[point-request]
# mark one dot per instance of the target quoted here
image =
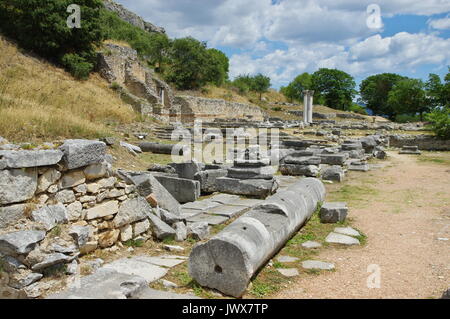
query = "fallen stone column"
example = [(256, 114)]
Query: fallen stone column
[(158, 148), (229, 260)]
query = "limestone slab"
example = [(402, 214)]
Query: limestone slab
[(335, 238)]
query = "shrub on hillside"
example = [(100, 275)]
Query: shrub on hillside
[(77, 66), (355, 108), (41, 26), (153, 46)]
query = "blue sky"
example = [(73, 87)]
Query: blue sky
[(284, 38)]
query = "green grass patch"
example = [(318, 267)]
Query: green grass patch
[(134, 243), (268, 282), (429, 158), (349, 193)]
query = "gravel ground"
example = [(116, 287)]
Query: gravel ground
[(406, 223)]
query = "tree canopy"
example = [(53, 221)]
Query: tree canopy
[(333, 88), (408, 97), (294, 91), (375, 90), (192, 64)]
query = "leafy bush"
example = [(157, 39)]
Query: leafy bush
[(440, 122), (258, 83), (41, 26), (358, 109), (407, 118), (77, 66)]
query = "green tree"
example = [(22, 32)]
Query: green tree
[(243, 83), (408, 97), (260, 84), (218, 67), (294, 91), (446, 90), (41, 26), (440, 122), (374, 92), (193, 65), (158, 51), (334, 88), (435, 91)]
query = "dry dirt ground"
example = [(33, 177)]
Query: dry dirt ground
[(406, 218)]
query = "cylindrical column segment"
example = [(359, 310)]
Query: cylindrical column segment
[(228, 261)]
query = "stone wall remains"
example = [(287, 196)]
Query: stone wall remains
[(57, 203), (424, 142), (193, 108)]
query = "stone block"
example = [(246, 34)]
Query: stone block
[(103, 210), (299, 170), (81, 153), (9, 215), (29, 159), (183, 190), (17, 185), (334, 212), (251, 187)]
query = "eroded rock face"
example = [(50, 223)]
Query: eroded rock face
[(17, 185), (131, 17)]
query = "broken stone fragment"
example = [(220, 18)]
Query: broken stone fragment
[(72, 179), (80, 234), (52, 260), (131, 211), (333, 212), (20, 242), (50, 216), (199, 231), (50, 177), (108, 238), (23, 278), (65, 196), (160, 229), (96, 171)]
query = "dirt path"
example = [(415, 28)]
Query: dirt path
[(403, 221)]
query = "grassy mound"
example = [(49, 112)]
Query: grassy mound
[(39, 101)]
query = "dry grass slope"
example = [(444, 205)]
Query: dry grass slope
[(39, 101)]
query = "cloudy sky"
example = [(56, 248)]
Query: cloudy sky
[(283, 38)]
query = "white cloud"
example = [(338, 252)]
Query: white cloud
[(314, 33), (440, 24), (403, 51)]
